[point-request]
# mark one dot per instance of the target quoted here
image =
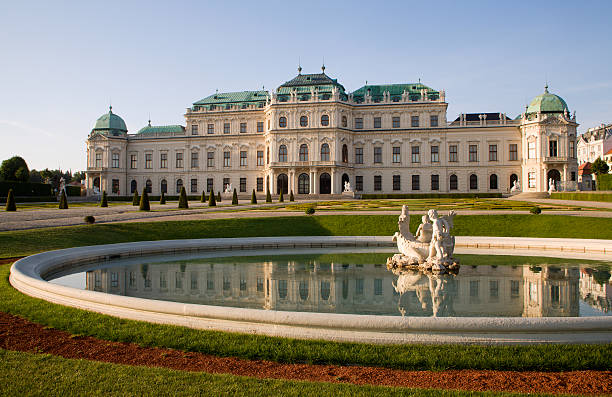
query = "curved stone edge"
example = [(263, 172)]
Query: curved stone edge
[(26, 276)]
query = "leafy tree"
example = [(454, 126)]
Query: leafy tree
[(10, 201), (144, 201), (291, 198), (79, 176), (35, 176), (14, 169), (212, 202), (281, 199), (63, 204), (162, 199), (104, 200), (136, 198), (183, 202), (600, 167), (253, 197), (268, 196), (235, 198)]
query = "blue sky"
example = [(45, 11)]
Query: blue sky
[(62, 62)]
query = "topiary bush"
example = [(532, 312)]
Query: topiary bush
[(253, 197), (535, 210), (63, 204), (104, 199), (144, 201), (203, 198), (89, 219), (135, 198), (235, 198), (268, 196), (10, 201), (291, 198), (162, 199), (309, 210), (218, 197), (212, 202), (281, 198), (183, 203)]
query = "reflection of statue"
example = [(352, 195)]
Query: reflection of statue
[(516, 187), (228, 188), (347, 187), (434, 292)]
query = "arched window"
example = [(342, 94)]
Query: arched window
[(344, 121), (149, 186), (303, 184), (282, 153), (453, 182), (303, 152), (133, 186), (325, 120), (179, 185), (164, 186), (493, 182), (282, 122), (473, 182), (282, 184), (325, 152), (513, 178), (344, 154), (304, 121)]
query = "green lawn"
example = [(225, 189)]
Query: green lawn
[(42, 374)]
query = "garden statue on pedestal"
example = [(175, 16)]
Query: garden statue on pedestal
[(347, 187), (431, 249), (228, 188), (516, 187), (551, 186)]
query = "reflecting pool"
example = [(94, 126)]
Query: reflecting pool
[(358, 283)]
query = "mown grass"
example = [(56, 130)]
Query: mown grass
[(26, 242), (412, 357), (43, 374)]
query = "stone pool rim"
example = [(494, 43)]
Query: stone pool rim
[(27, 275)]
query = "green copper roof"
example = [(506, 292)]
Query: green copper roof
[(396, 91), (309, 80), (547, 103), (110, 121), (234, 97), (157, 129)]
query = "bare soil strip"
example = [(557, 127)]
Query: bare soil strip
[(19, 334)]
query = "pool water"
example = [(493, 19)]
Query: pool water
[(358, 283)]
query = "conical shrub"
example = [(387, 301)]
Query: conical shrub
[(203, 198), (218, 197), (162, 199), (281, 199), (136, 198), (291, 198), (183, 203), (253, 197), (10, 201), (144, 201), (268, 196), (212, 202), (104, 199), (235, 198), (63, 204)]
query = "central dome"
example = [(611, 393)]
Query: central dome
[(547, 103), (110, 121)]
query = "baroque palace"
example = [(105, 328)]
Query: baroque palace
[(310, 136)]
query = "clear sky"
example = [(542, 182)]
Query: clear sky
[(62, 62)]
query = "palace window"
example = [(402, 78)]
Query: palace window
[(492, 152), (260, 184), (98, 160), (243, 158), (344, 121), (149, 160), (359, 183), (211, 129), (260, 126), (282, 122), (435, 182), (416, 182), (377, 122), (304, 121), (163, 186), (433, 120), (226, 182), (378, 286), (396, 122), (416, 156), (531, 178), (260, 158), (493, 182), (358, 123), (226, 128), (149, 186), (325, 120), (397, 154), (194, 185), (115, 186), (303, 184), (210, 159), (573, 176), (282, 153), (242, 185), (303, 152), (179, 160), (115, 160), (452, 154), (435, 154), (358, 155), (377, 154), (453, 182), (377, 182), (414, 121), (209, 184), (552, 148), (325, 152), (531, 150), (163, 160), (572, 150), (243, 128), (194, 160), (179, 185), (133, 161), (344, 153), (397, 182), (226, 159), (473, 153), (513, 152), (473, 182), (359, 286), (178, 280), (194, 129)]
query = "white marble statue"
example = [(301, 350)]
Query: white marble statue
[(551, 186), (228, 188), (516, 187), (347, 187)]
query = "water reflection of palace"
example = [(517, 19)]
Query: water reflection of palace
[(518, 291)]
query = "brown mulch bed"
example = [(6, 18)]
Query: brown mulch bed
[(19, 334)]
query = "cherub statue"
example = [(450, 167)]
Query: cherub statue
[(425, 230)]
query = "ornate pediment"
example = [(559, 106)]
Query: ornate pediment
[(552, 119)]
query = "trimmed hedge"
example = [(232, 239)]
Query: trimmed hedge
[(604, 182), (73, 191), (586, 196), (430, 195), (152, 198), (38, 199), (26, 189)]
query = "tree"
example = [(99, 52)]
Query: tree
[(144, 201), (268, 196), (281, 198), (291, 198), (203, 198), (35, 177), (211, 199), (235, 198), (600, 167), (10, 201), (14, 169), (63, 204), (79, 176), (136, 198), (162, 199), (253, 197), (183, 203), (104, 200)]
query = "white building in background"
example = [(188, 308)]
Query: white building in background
[(310, 136), (596, 142)]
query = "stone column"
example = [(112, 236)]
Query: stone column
[(315, 182), (272, 183), (332, 174)]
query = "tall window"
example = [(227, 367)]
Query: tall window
[(260, 184), (282, 122), (513, 152), (115, 186), (164, 186), (552, 148), (344, 121), (226, 182), (397, 155), (179, 185), (358, 123), (493, 182), (282, 153), (377, 154), (325, 120), (243, 158), (260, 158), (209, 184), (179, 160), (243, 128), (452, 154), (98, 160), (473, 182), (344, 153), (325, 152), (163, 160), (226, 159), (377, 182), (304, 121), (473, 153), (148, 160), (359, 183), (211, 129), (226, 128), (115, 160), (377, 122), (194, 129), (303, 152), (133, 161), (453, 182), (194, 185), (303, 184), (492, 152), (133, 186), (194, 160), (416, 157), (397, 182), (260, 126), (435, 182), (210, 159), (243, 185), (395, 122), (531, 178), (433, 120), (416, 182), (414, 121), (531, 150), (572, 149), (435, 154), (358, 155)]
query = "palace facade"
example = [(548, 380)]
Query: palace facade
[(310, 136)]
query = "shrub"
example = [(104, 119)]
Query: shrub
[(235, 198), (268, 196), (63, 204), (10, 201), (291, 198), (73, 191), (104, 200), (604, 182), (430, 195), (203, 197), (535, 210), (599, 167), (162, 199), (218, 197), (144, 201), (89, 219), (135, 198), (211, 199), (253, 197), (183, 203), (281, 199), (310, 210), (25, 189), (14, 169)]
